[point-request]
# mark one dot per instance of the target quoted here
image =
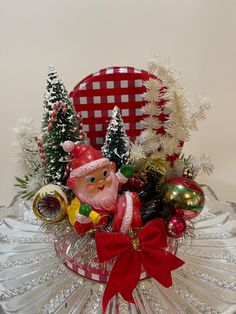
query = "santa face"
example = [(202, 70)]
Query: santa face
[(98, 188), (97, 180)]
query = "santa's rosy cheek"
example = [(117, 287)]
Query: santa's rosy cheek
[(91, 187), (108, 180)]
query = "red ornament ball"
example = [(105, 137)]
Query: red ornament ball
[(135, 183), (176, 227), (177, 211)]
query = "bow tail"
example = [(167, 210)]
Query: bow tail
[(124, 277), (159, 265)]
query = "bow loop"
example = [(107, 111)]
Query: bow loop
[(111, 244), (153, 234)]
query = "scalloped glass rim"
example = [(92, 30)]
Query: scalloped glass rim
[(34, 280)]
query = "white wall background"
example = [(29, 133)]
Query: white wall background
[(82, 36)]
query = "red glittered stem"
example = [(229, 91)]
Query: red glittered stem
[(57, 106), (41, 151)]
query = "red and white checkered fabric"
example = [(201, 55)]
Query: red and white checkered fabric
[(96, 274), (93, 270), (96, 95)]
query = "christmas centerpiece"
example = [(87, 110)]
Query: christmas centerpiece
[(108, 178)]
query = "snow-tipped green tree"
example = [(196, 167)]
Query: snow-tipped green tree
[(58, 125), (116, 147)]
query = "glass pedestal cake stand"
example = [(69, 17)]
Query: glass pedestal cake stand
[(33, 279)]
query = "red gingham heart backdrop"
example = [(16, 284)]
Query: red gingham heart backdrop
[(97, 94)]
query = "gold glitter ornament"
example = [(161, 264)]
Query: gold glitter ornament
[(156, 164)]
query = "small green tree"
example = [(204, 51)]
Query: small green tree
[(59, 124), (116, 147)]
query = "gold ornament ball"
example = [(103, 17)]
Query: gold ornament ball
[(50, 204), (183, 193)]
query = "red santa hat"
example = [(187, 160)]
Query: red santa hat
[(86, 157)]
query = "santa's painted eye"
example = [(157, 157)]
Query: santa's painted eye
[(104, 174), (90, 180)]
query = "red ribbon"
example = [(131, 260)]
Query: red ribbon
[(147, 249)]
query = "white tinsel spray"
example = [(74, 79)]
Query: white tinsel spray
[(27, 159), (182, 116), (202, 164)]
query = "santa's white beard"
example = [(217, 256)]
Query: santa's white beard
[(105, 199)]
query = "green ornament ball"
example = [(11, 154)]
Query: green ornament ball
[(127, 170)]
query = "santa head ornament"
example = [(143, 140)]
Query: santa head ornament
[(86, 160)]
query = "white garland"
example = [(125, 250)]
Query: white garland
[(197, 111), (202, 164), (27, 158), (182, 116)]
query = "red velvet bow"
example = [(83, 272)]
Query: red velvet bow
[(147, 249)]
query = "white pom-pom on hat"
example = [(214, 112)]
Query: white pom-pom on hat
[(68, 146)]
